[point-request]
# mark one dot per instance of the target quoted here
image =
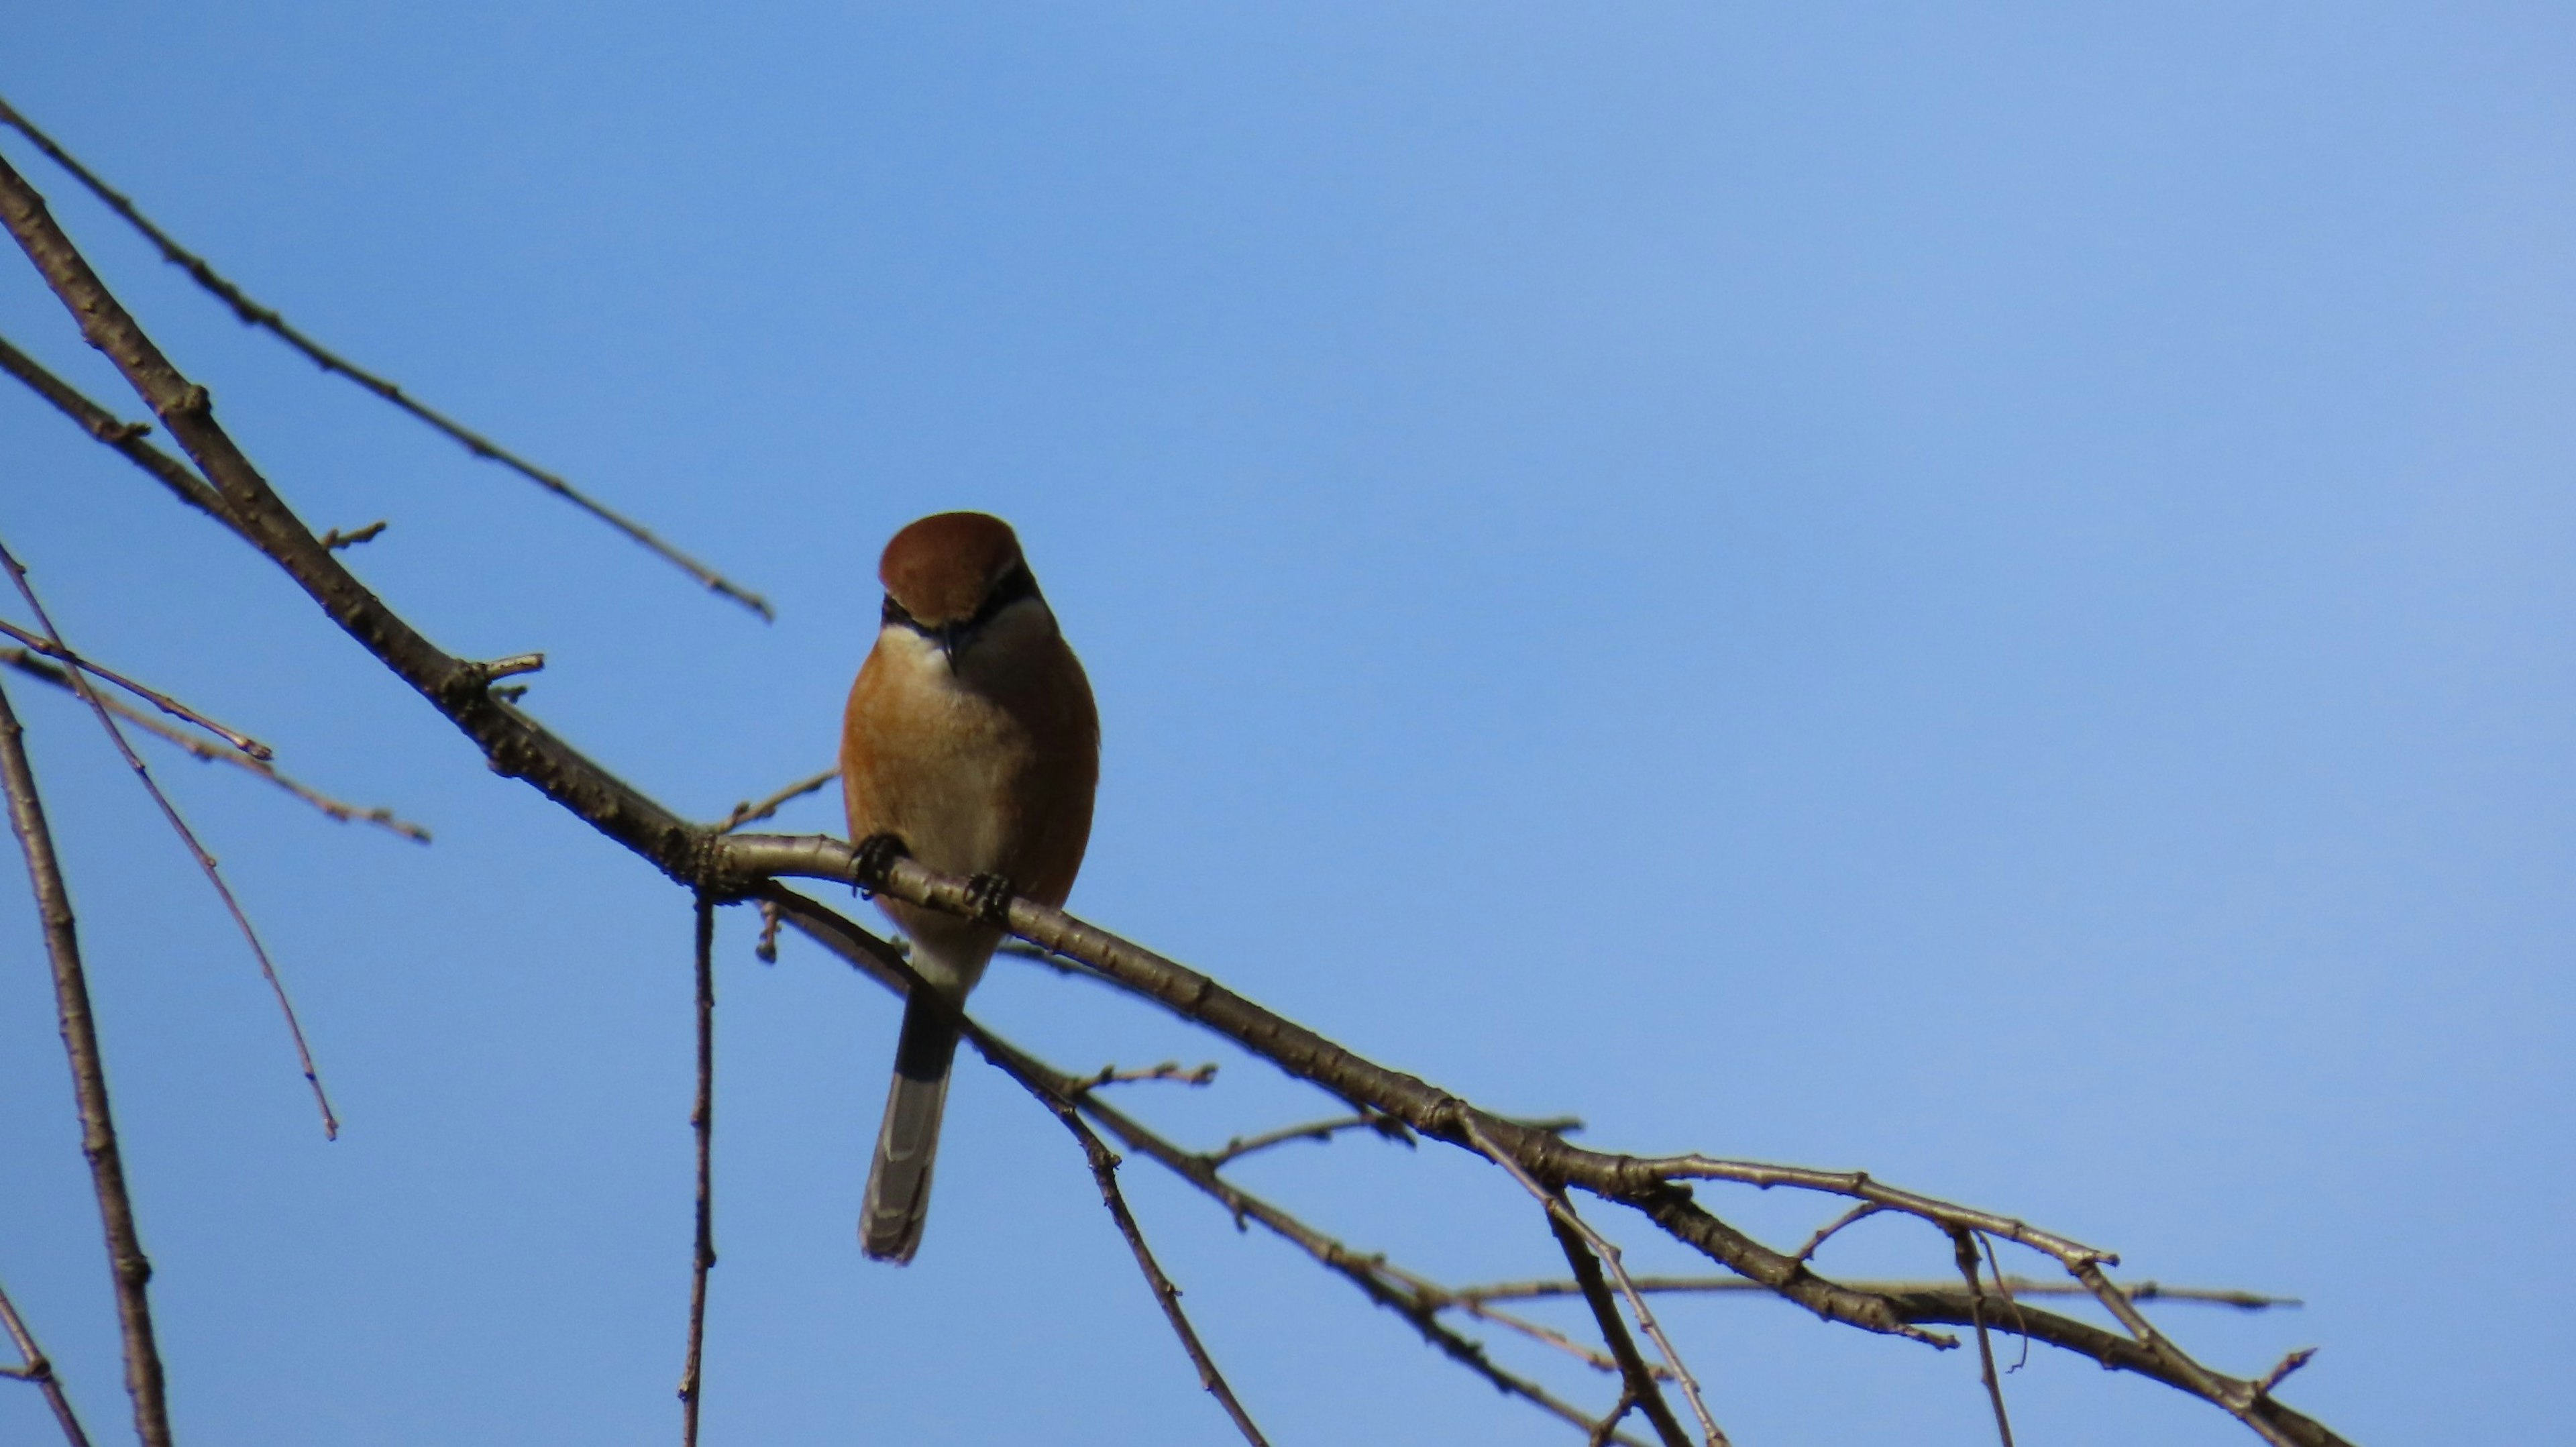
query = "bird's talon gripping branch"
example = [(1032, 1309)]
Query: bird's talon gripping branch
[(874, 856), (990, 896)]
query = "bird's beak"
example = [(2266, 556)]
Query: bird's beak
[(952, 641)]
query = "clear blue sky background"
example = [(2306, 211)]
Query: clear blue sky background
[(1981, 593)]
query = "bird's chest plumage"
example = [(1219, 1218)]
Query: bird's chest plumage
[(930, 755)]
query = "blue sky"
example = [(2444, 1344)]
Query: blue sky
[(1982, 594)]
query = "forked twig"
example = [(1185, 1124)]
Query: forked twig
[(39, 1371), (169, 811), (267, 319)]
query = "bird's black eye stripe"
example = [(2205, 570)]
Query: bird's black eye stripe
[(1010, 588)]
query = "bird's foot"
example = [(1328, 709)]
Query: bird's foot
[(872, 858), (990, 896)]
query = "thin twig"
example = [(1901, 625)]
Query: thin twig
[(128, 1266), (748, 812), (53, 648), (39, 1370), (169, 811), (702, 1123), (1562, 1211), (29, 664), (267, 319), (1834, 1227), (335, 539), (1964, 1248), (1168, 1070), (2282, 1369), (1104, 1171), (1637, 1384), (1320, 1130)]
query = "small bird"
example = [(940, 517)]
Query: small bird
[(971, 744)]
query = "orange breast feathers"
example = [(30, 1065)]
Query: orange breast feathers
[(979, 770)]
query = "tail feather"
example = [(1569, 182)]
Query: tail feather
[(898, 1195)]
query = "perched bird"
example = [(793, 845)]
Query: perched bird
[(971, 744)]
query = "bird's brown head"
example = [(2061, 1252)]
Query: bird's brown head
[(949, 574)]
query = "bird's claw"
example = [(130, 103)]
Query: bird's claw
[(872, 858), (990, 896)]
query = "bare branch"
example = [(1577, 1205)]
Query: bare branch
[(128, 1266), (702, 1123), (33, 667), (53, 648), (738, 865), (335, 539), (267, 319), (205, 861), (39, 1371)]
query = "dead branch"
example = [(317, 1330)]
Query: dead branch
[(128, 1266)]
